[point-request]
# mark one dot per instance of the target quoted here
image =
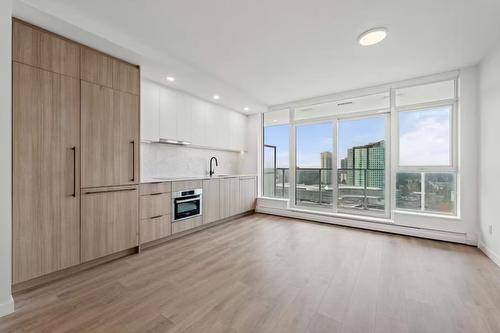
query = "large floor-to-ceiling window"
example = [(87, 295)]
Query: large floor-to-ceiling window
[(393, 149), (426, 163), (276, 154), (361, 163), (314, 160)]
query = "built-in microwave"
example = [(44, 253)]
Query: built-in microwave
[(186, 204)]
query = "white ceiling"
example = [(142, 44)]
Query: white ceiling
[(258, 53)]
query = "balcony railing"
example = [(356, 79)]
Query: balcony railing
[(357, 188)]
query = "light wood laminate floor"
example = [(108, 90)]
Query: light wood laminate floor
[(270, 274)]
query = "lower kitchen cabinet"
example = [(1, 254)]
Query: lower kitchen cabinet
[(110, 221), (187, 224), (248, 193), (229, 197), (211, 200), (155, 228)]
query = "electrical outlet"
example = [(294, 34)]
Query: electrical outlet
[(491, 229)]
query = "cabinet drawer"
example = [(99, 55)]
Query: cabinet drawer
[(110, 221), (187, 224), (155, 228), (187, 185), (155, 205), (153, 188)]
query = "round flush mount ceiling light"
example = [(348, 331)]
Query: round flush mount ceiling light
[(216, 97), (246, 109), (170, 78), (372, 36)]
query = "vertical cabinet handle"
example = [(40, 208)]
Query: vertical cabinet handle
[(74, 171), (133, 160)]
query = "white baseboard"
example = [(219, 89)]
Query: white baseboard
[(447, 236), (489, 253), (7, 307)]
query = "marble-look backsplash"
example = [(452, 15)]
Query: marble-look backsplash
[(163, 160)]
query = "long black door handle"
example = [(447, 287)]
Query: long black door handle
[(74, 171)]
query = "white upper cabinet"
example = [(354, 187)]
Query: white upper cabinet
[(213, 134), (240, 135), (184, 117), (170, 115), (150, 111), (199, 128)]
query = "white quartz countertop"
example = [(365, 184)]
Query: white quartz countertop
[(178, 179)]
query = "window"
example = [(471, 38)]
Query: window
[(425, 137), (341, 151), (341, 107), (427, 173), (276, 154), (425, 93), (313, 177), (361, 164)]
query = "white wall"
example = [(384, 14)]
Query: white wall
[(489, 185), (6, 302)]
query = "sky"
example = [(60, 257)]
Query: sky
[(424, 138)]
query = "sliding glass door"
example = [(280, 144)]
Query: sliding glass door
[(341, 165), (314, 165), (361, 165)]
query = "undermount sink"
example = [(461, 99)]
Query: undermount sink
[(219, 176)]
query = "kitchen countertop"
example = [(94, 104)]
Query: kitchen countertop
[(177, 179)]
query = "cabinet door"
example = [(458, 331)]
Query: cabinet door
[(168, 114), (229, 197), (110, 221), (213, 136), (44, 50), (198, 128), (150, 111), (211, 201), (125, 77), (96, 67), (46, 149), (184, 117), (241, 135), (248, 190), (110, 136), (225, 128)]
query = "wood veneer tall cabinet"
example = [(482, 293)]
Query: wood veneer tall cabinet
[(46, 153), (75, 118), (110, 155), (110, 122)]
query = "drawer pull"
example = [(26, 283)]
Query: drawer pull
[(106, 191)]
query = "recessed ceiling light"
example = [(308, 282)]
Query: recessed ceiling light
[(216, 97), (246, 109), (372, 36), (170, 78)]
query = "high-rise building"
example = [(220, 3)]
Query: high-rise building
[(368, 165), (326, 163)]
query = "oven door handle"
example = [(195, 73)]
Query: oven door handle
[(187, 200)]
